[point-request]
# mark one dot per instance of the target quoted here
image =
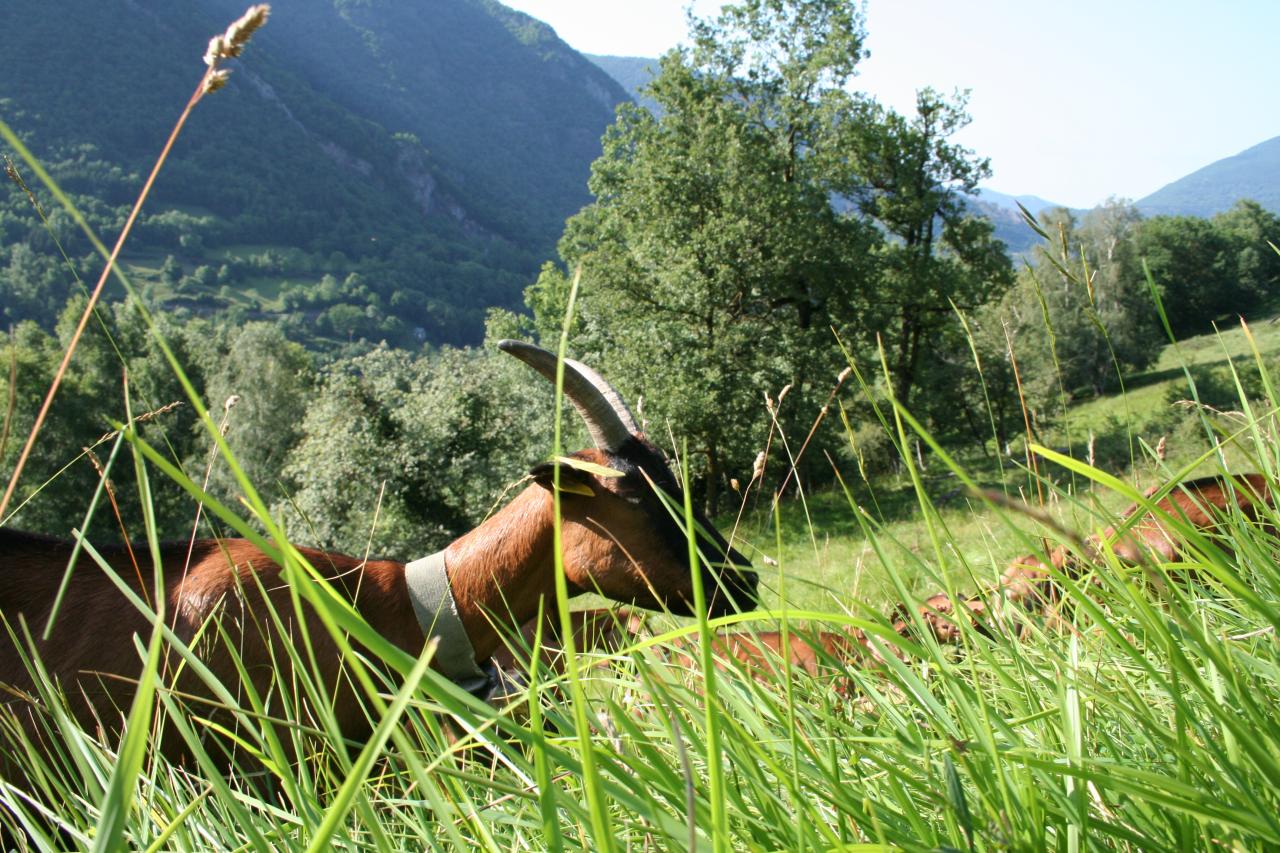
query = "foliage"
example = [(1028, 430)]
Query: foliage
[(404, 454), (910, 180), (760, 208), (1089, 285)]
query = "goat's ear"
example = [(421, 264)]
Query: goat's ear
[(572, 481)]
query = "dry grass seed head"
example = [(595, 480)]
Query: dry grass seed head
[(231, 44)]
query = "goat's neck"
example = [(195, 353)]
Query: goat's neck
[(500, 570)]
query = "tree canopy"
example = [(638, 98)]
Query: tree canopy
[(765, 211)]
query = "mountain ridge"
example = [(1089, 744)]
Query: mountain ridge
[(1252, 173)]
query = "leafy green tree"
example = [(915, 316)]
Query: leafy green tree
[(1192, 263), (1004, 364), (905, 174), (1252, 230), (170, 271), (1118, 288), (33, 285), (58, 479), (409, 452), (1098, 313), (259, 384), (714, 264)]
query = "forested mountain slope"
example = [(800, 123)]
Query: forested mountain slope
[(633, 73), (511, 115), (433, 148)]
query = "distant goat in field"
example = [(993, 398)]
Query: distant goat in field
[(1141, 535)]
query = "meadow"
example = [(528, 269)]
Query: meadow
[(1145, 719), (1140, 714)]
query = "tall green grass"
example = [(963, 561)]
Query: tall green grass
[(1146, 720), (1142, 717)]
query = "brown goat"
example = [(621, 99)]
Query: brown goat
[(1027, 583), (618, 538), (1140, 535), (1201, 503)]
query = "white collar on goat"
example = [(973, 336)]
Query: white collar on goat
[(437, 612)]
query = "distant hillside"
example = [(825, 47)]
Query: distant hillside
[(433, 147), (1002, 210), (631, 72), (1253, 173), (510, 114), (1032, 203), (1009, 226)]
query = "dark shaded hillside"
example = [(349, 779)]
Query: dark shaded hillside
[(511, 115), (242, 154), (433, 148), (1253, 174)]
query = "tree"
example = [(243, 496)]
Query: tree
[(1251, 228), (57, 477), (170, 271), (1089, 283), (714, 264), (904, 174), (32, 286), (1192, 263), (269, 378), (436, 451)]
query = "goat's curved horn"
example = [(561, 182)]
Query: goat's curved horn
[(608, 419)]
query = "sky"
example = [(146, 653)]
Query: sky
[(1072, 102)]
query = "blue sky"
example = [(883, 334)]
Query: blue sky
[(1071, 101)]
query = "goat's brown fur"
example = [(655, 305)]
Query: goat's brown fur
[(1140, 535), (613, 542)]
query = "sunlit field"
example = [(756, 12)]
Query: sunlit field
[(1134, 707)]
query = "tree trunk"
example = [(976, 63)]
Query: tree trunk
[(712, 495), (904, 370)]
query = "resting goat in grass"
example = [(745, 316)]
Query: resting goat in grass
[(619, 538), (1140, 536)]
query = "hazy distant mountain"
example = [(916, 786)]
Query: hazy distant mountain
[(1253, 173), (1002, 210), (630, 72), (1032, 203)]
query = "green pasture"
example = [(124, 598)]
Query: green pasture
[(1141, 714)]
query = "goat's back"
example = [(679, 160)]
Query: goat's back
[(92, 651), (1202, 503)]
